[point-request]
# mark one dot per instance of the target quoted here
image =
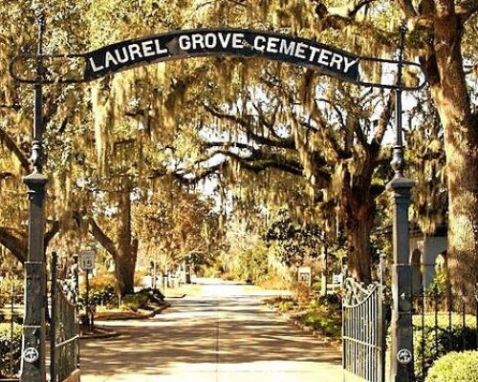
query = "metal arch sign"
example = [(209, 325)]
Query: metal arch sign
[(221, 42), (202, 43)]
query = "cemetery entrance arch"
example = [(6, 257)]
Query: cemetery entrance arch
[(40, 69)]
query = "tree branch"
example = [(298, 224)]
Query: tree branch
[(338, 18), (10, 144), (15, 241), (353, 12), (284, 143), (267, 124), (383, 123), (259, 162), (466, 9), (228, 145), (102, 238), (407, 8), (55, 228), (341, 153), (357, 128)]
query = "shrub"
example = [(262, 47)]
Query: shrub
[(327, 322), (433, 341), (284, 306), (106, 296), (331, 301), (314, 304), (135, 301), (6, 340), (303, 293), (102, 291), (455, 367), (102, 281)]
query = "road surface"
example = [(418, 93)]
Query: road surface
[(223, 334)]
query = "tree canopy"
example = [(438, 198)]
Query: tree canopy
[(270, 133)]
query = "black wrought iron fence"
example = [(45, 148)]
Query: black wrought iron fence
[(444, 321), (64, 329), (11, 313)]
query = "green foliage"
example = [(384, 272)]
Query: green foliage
[(325, 321), (324, 315), (9, 285), (285, 306), (144, 299), (252, 264), (246, 255), (102, 291), (455, 367), (433, 341), (135, 301), (6, 342), (295, 241), (439, 285)]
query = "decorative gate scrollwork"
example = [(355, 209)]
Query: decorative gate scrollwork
[(363, 330)]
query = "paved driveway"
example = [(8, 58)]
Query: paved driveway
[(224, 334)]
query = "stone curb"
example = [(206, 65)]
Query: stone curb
[(139, 317), (176, 297)]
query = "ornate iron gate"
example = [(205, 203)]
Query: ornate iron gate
[(363, 330), (64, 328)]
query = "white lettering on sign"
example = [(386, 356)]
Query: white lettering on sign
[(277, 47), (260, 43), (287, 47), (211, 41), (272, 45), (148, 50), (304, 51), (130, 53), (134, 51), (238, 41), (110, 59), (300, 50), (224, 39), (184, 43), (349, 63)]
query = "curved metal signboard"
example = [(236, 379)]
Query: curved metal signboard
[(201, 43), (217, 42)]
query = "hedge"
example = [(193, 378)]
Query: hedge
[(455, 367), (433, 342)]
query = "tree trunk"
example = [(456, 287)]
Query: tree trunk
[(125, 264), (359, 212), (452, 101), (124, 251), (125, 261), (358, 230)]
